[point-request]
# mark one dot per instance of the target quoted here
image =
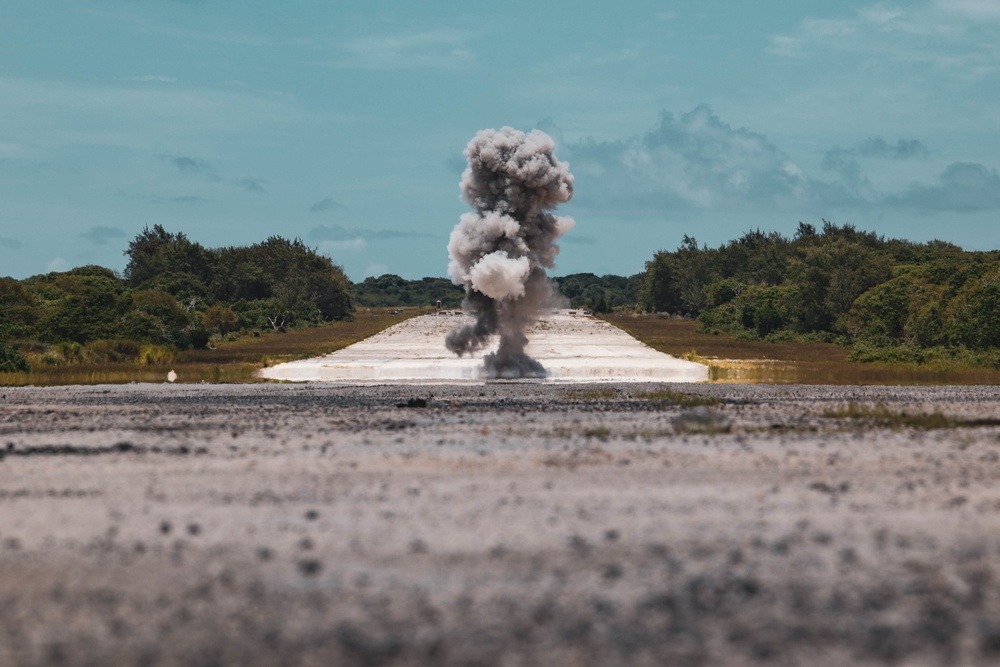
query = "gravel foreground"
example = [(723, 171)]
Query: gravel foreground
[(505, 524)]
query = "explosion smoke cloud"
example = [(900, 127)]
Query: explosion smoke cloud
[(500, 252)]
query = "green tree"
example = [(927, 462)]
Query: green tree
[(156, 253), (84, 304), (973, 316), (829, 277), (659, 291), (19, 310), (296, 283)]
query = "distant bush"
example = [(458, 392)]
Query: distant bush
[(221, 319), (113, 351), (12, 361), (390, 290), (583, 290)]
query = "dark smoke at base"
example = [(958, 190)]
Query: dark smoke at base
[(500, 252)]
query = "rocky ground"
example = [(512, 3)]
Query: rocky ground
[(505, 524)]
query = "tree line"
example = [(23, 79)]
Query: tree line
[(175, 293), (890, 299), (581, 290)]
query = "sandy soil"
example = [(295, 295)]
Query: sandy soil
[(498, 524), (573, 348)]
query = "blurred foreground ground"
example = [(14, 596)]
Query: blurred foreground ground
[(507, 524)]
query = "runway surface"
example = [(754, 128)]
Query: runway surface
[(571, 346)]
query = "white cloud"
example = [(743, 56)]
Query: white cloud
[(784, 45), (18, 151), (103, 234), (138, 23), (326, 204), (57, 264), (880, 14), (151, 78), (692, 161), (51, 114), (377, 269), (976, 9), (696, 162), (344, 234), (347, 246), (433, 49), (890, 33)]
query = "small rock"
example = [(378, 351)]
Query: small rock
[(310, 567)]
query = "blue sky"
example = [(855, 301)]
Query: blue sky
[(344, 123)]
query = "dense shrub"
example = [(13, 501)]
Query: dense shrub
[(12, 361)]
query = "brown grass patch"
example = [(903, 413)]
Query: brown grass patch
[(234, 361), (880, 415), (731, 360)]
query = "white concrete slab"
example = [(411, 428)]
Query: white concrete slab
[(572, 347)]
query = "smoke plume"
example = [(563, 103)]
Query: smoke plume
[(500, 252)]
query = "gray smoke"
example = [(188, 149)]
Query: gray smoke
[(500, 252)]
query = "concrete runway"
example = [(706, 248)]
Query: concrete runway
[(498, 524), (573, 348)]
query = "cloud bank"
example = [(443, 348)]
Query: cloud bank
[(339, 233), (962, 187), (692, 161), (697, 162), (326, 204), (102, 235)]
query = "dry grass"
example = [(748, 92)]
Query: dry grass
[(604, 393), (731, 360), (677, 398), (882, 416), (664, 397), (680, 338), (235, 361)]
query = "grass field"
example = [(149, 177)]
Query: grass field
[(231, 361), (732, 360)]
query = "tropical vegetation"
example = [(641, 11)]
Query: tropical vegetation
[(889, 299), (174, 294)]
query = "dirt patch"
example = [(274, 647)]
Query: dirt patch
[(506, 523)]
